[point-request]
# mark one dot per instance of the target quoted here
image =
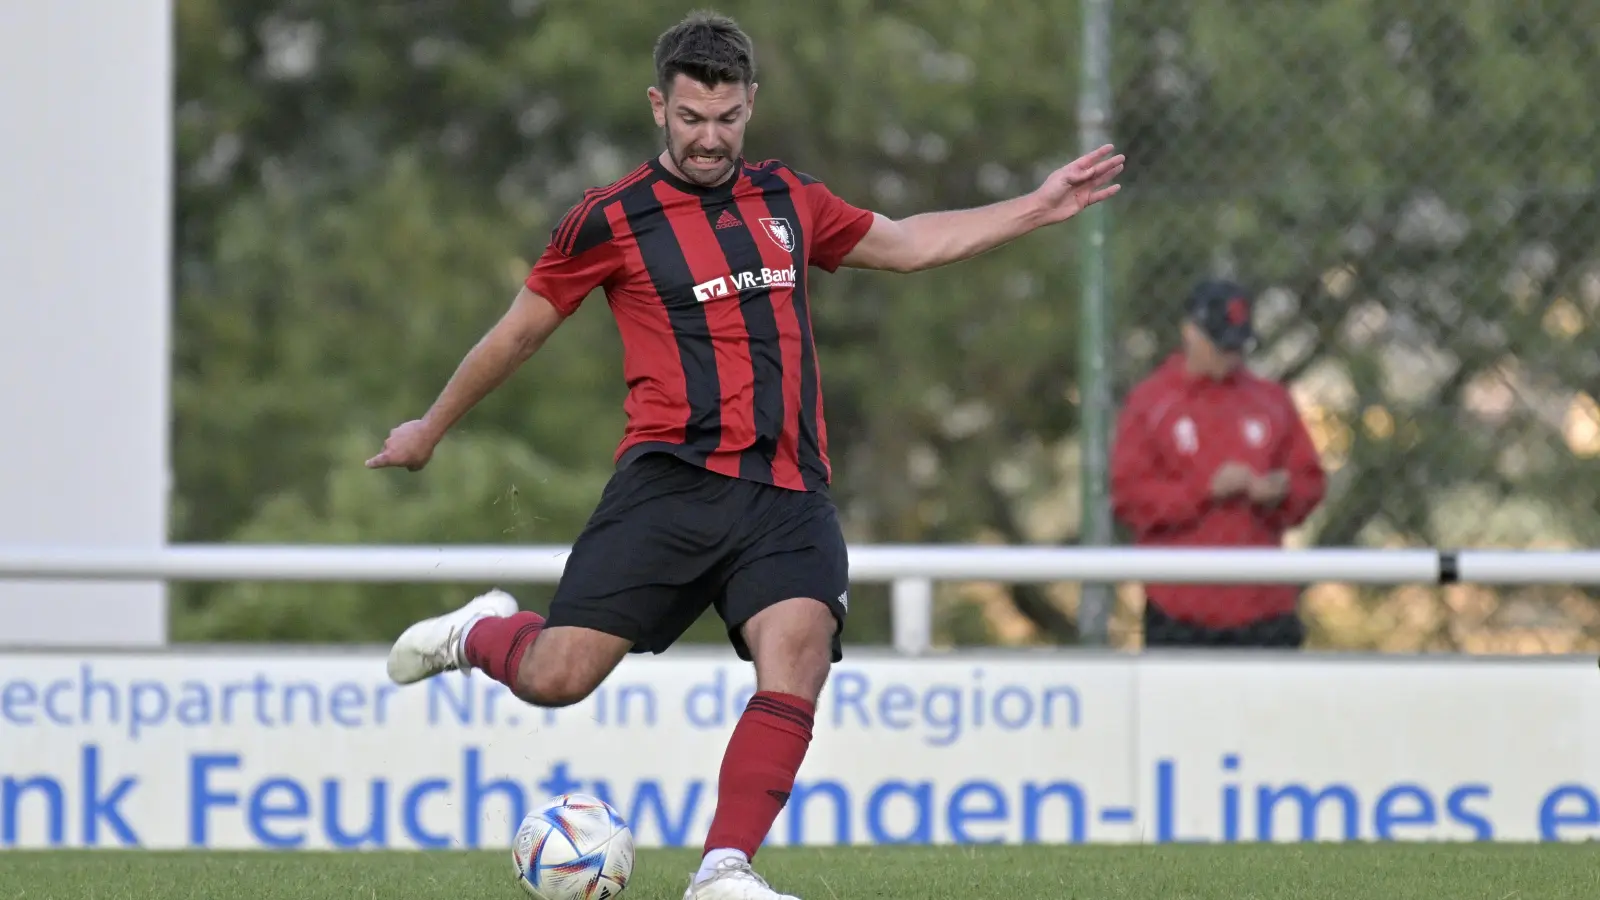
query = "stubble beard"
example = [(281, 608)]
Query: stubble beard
[(702, 177)]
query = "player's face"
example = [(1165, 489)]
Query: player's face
[(703, 126)]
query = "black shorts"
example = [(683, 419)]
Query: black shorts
[(669, 539)]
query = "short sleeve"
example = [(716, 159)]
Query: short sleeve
[(579, 258), (836, 226)]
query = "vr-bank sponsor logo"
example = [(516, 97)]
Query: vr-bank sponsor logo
[(711, 290), (738, 282)]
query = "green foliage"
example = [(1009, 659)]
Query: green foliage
[(362, 188), (1414, 185)]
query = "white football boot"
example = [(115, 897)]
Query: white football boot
[(733, 879), (437, 645)]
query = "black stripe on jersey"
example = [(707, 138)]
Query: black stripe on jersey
[(761, 327), (565, 238), (664, 261), (594, 230), (780, 202), (767, 165)]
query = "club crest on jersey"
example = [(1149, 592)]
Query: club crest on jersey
[(779, 231)]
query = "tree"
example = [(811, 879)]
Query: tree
[(362, 189)]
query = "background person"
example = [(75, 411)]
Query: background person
[(1208, 453)]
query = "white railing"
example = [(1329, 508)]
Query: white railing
[(910, 569)]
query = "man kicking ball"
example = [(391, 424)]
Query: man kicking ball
[(720, 497)]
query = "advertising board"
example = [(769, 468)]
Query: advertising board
[(1445, 749), (318, 751)]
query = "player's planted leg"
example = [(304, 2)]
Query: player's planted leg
[(791, 645), (543, 667)]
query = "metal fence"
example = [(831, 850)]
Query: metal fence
[(911, 571), (1411, 188)]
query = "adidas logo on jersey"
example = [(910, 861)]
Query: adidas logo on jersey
[(728, 220)]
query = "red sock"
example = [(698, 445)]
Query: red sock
[(758, 770), (496, 644)]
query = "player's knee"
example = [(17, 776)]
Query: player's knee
[(542, 686), (566, 664), (792, 645), (549, 680)]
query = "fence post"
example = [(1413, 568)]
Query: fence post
[(911, 614), (1094, 377)]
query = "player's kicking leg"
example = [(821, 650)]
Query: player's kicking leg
[(437, 645), (490, 634), (626, 586)]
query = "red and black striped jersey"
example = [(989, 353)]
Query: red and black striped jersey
[(708, 288)]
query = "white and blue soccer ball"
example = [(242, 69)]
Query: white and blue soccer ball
[(574, 847)]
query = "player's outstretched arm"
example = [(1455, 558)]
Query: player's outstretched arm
[(929, 240), (518, 335)]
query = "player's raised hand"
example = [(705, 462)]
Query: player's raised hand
[(1080, 184), (410, 445)]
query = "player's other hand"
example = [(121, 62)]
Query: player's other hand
[(1079, 184), (409, 445)]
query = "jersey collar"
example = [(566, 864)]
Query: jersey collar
[(688, 187)]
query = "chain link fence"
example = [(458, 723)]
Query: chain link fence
[(1411, 189)]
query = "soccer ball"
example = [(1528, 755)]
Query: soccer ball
[(574, 847)]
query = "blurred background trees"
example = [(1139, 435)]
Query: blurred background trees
[(1411, 186)]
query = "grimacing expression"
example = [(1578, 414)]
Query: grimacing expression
[(703, 126)]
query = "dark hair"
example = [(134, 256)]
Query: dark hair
[(710, 48)]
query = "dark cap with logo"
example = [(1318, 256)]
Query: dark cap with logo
[(1222, 309)]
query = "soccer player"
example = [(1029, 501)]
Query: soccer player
[(720, 497)]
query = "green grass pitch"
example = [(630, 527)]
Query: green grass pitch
[(1238, 872)]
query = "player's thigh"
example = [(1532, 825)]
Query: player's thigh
[(795, 552), (636, 570)]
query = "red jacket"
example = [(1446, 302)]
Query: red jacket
[(1175, 430)]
